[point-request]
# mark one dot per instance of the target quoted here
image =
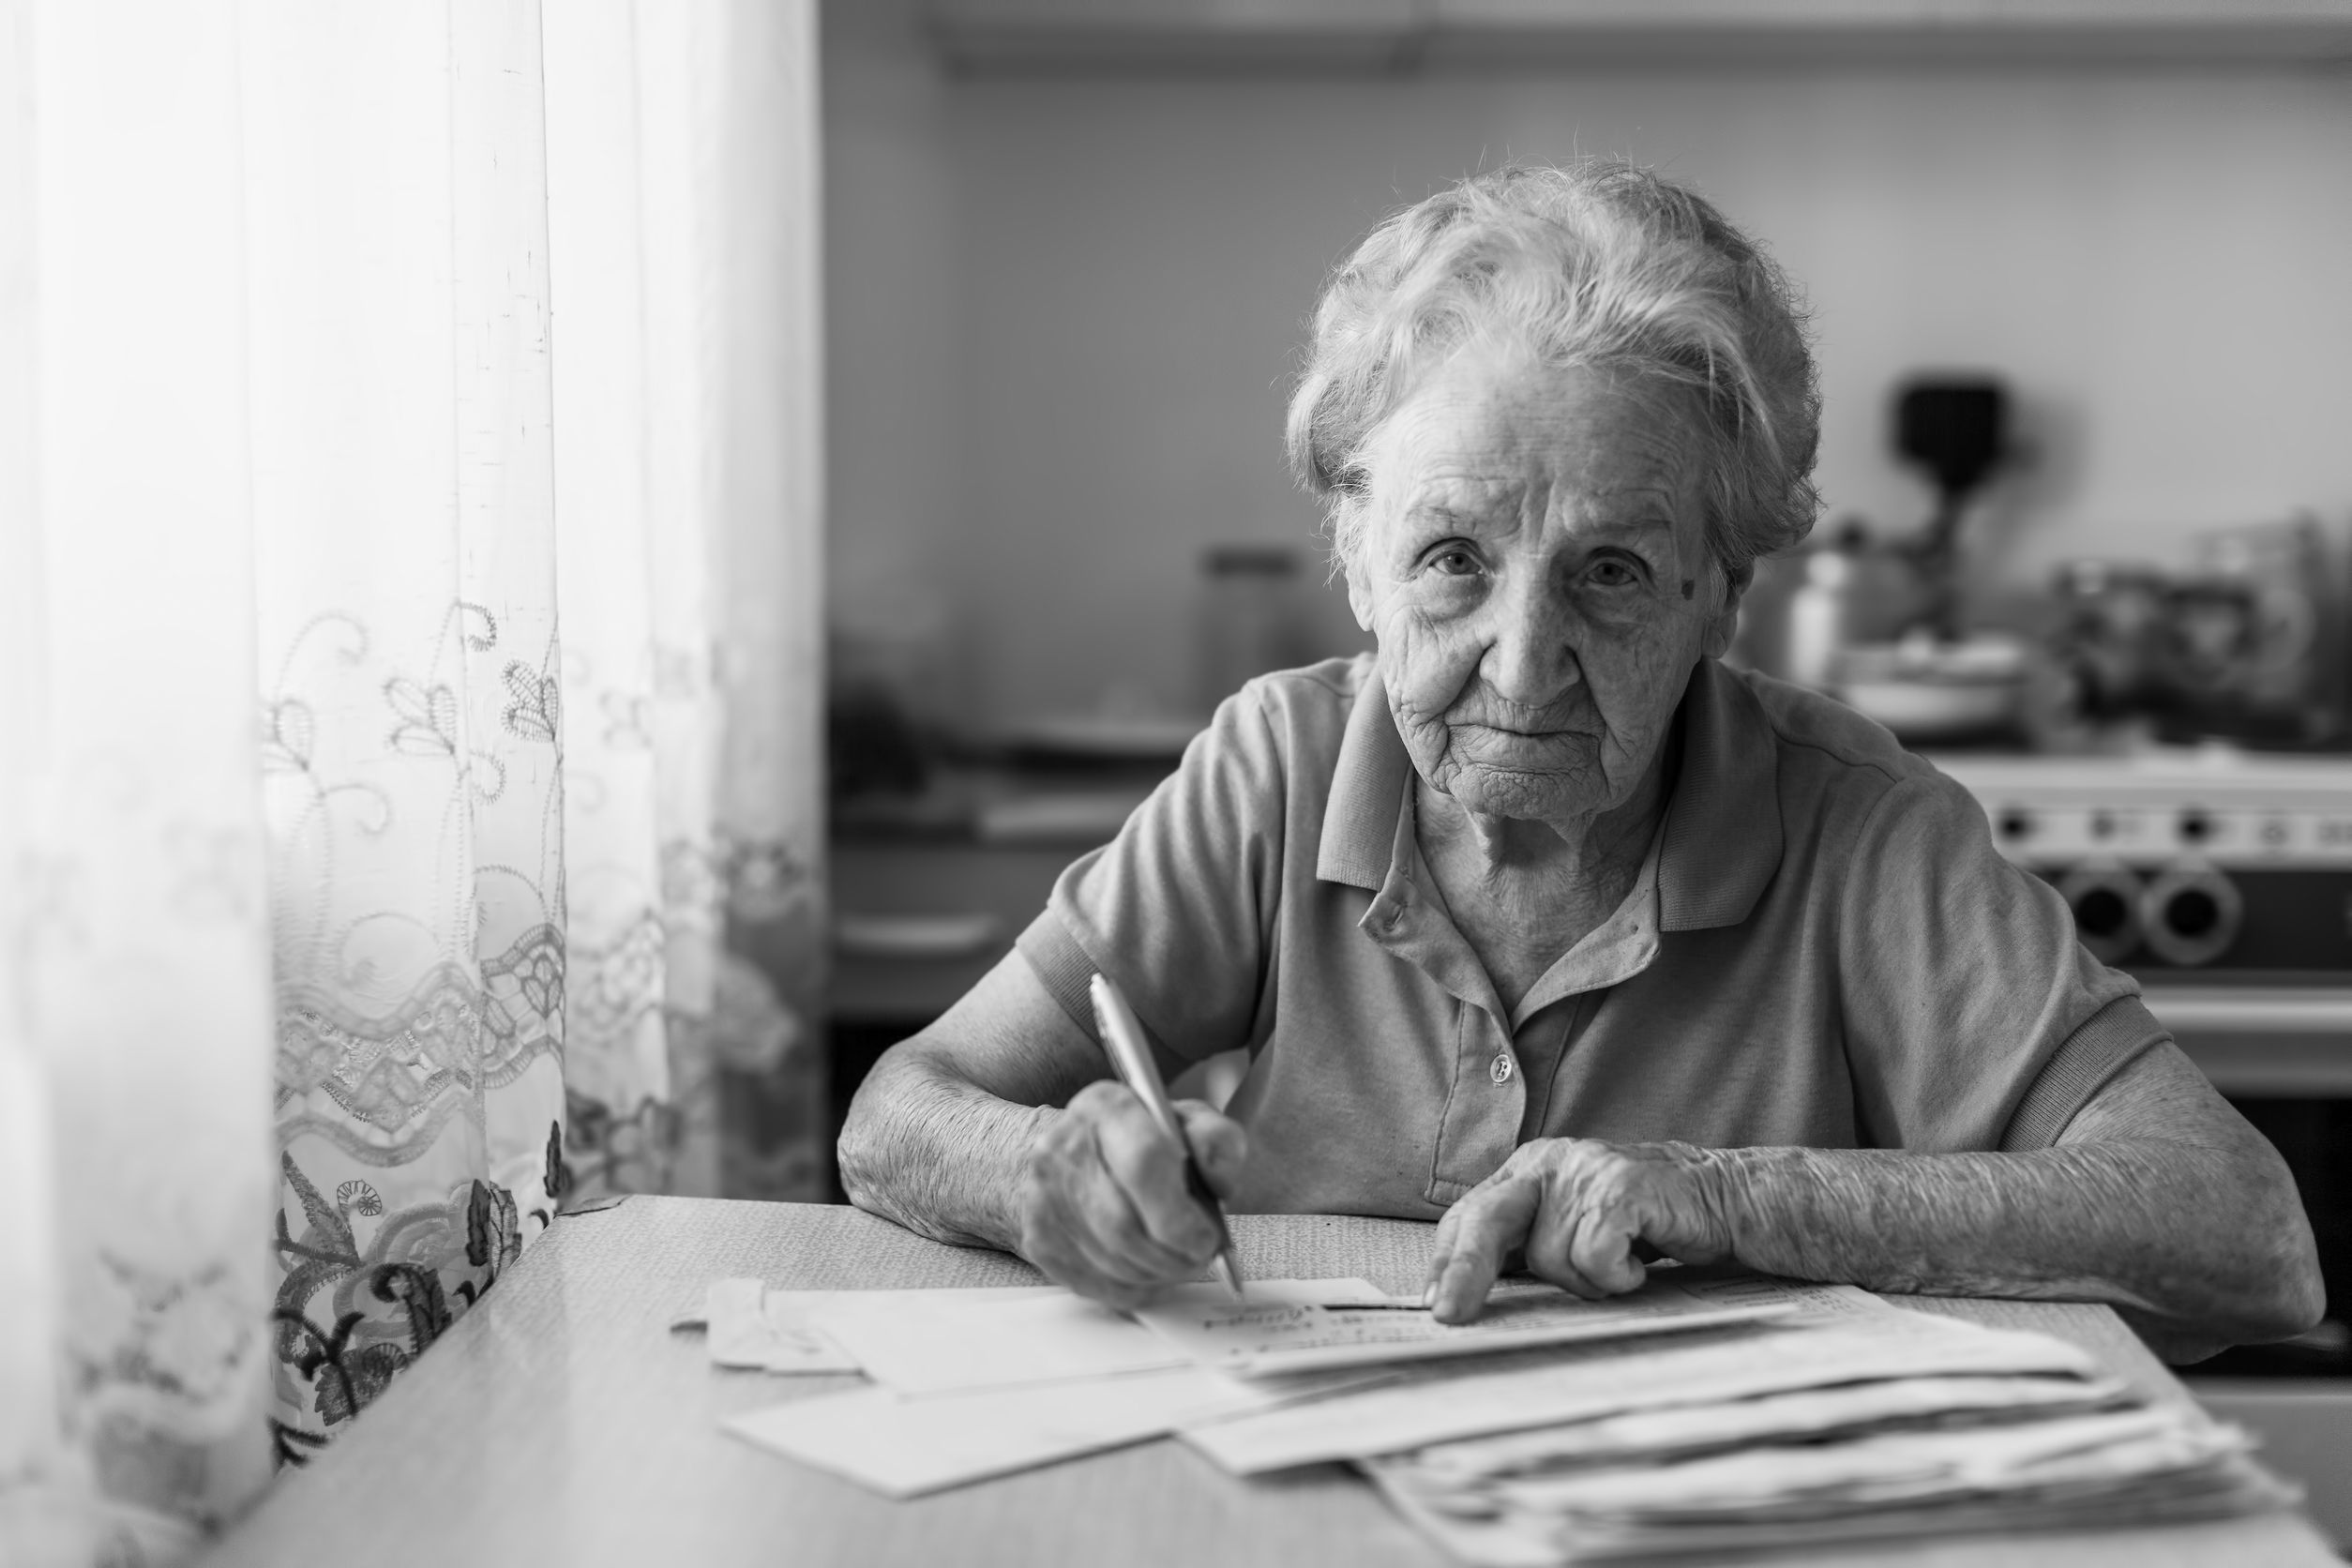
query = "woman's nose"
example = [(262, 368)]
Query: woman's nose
[(1531, 659)]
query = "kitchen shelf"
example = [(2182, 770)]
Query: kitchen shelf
[(1388, 36)]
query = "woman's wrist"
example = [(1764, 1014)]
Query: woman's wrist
[(1748, 1193), (1000, 1213)]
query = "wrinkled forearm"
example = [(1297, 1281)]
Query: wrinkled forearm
[(2201, 1247), (938, 1153)]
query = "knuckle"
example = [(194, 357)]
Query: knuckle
[(1099, 1099)]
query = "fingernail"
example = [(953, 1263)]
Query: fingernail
[(1429, 1294)]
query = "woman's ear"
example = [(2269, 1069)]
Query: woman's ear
[(1724, 625), (1354, 528), (1359, 591)]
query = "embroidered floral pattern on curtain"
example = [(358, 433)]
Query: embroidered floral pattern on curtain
[(473, 406), (403, 499)]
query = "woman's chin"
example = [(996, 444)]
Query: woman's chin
[(1533, 796)]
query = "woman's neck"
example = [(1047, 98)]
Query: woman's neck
[(1597, 848)]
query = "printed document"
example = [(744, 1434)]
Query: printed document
[(948, 1342), (1255, 1337)]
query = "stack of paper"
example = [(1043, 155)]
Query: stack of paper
[(1850, 1418), (2021, 1465)]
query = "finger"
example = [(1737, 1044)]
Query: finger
[(1548, 1255), (1217, 1142), (1119, 1278), (1058, 1237), (1498, 1217), (1602, 1248), (1133, 1174), (1079, 1207), (1076, 1225), (1450, 1228), (1117, 1234), (1148, 1165)]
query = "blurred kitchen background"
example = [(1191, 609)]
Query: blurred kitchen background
[(2080, 273)]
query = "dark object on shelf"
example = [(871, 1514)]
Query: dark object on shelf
[(871, 746), (1252, 617), (1957, 429)]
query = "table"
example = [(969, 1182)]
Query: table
[(561, 1421)]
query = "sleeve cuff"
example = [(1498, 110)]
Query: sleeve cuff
[(2108, 1040), (1062, 965)]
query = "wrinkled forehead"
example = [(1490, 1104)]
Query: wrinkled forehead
[(1487, 432)]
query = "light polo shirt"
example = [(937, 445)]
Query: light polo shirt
[(1823, 948)]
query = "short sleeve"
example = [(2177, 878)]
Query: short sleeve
[(1178, 909), (1973, 1019)]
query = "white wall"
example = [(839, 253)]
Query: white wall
[(895, 345), (2159, 259)]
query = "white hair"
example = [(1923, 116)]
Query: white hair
[(1600, 266)]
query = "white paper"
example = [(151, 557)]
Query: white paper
[(1806, 1298), (1254, 1338), (1437, 1403), (904, 1447), (697, 1314), (737, 1333), (1810, 1413), (751, 1327), (928, 1342)]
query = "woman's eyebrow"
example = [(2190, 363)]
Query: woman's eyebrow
[(1628, 532), (1446, 515)]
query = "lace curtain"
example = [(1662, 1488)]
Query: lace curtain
[(447, 374)]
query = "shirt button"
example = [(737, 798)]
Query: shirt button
[(1499, 1069)]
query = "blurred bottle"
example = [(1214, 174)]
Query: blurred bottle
[(1817, 617), (2111, 617), (1253, 617), (1802, 611)]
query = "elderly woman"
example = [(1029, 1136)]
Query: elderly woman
[(1541, 921)]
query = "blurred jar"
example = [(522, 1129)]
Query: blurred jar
[(1802, 612), (1253, 616), (2252, 639), (2109, 636)]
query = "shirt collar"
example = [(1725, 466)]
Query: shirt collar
[(1721, 841), (1367, 783)]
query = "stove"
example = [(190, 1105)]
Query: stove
[(2222, 880)]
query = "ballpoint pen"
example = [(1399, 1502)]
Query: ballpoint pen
[(1131, 1059)]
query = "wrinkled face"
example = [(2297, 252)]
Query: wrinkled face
[(1535, 570)]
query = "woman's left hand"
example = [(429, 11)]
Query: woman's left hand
[(1578, 1207)]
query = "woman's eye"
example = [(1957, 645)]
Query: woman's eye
[(1453, 561), (1613, 574)]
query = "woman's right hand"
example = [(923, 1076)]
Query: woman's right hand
[(1104, 1205)]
